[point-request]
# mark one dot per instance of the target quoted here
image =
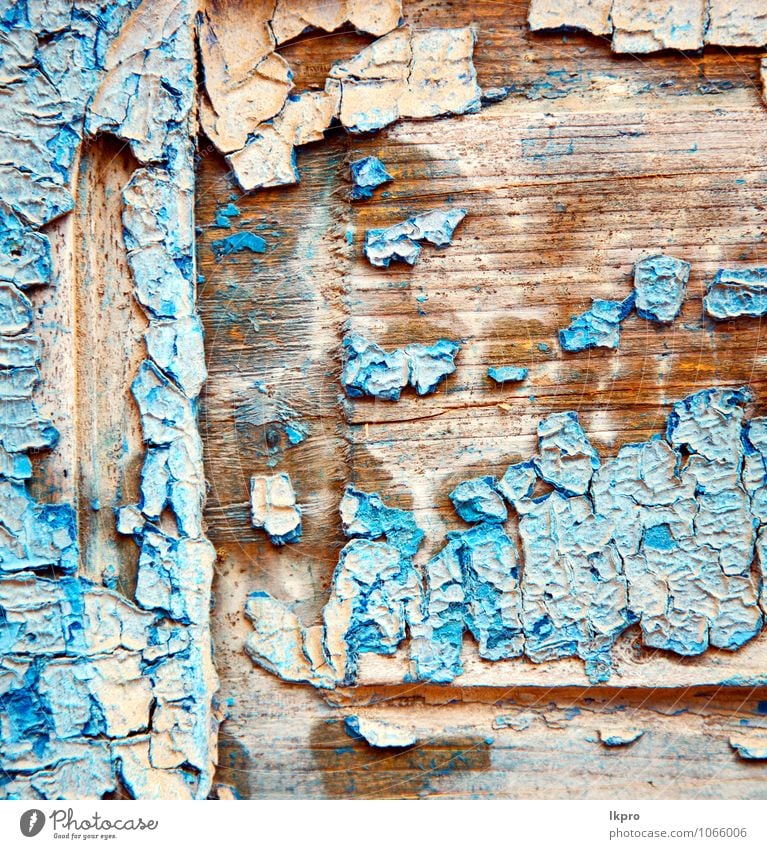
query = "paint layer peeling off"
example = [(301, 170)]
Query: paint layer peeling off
[(402, 241), (365, 515), (369, 371), (750, 747), (292, 17), (94, 691), (250, 112), (737, 23), (379, 733), (647, 26), (507, 374), (407, 74), (374, 593), (478, 500), (736, 293), (98, 693), (590, 15), (367, 174), (268, 159), (663, 535), (598, 327), (614, 736), (659, 290), (659, 286), (273, 507), (237, 243)]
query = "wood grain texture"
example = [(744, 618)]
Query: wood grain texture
[(593, 162)]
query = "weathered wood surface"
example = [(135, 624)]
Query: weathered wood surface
[(592, 162)]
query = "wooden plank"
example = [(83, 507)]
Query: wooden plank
[(592, 162)]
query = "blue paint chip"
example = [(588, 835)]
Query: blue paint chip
[(598, 327), (224, 214), (245, 241), (507, 374), (367, 174), (478, 500)]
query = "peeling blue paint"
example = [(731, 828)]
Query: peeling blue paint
[(366, 515), (367, 174), (659, 287), (598, 327), (370, 371), (402, 241), (507, 374), (237, 242), (478, 500), (518, 482), (224, 214), (567, 459), (736, 293), (472, 584)]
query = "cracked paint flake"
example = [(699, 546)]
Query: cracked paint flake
[(246, 83), (429, 365), (38, 537), (598, 327), (590, 15), (251, 114), (25, 255), (646, 26), (472, 584), (83, 669), (613, 736), (478, 500), (375, 592), (379, 733), (663, 535), (367, 174), (15, 310), (518, 482), (659, 287), (749, 746), (407, 74), (737, 23), (369, 371), (293, 17), (147, 93), (684, 529), (575, 594), (737, 292), (567, 459), (507, 374), (280, 643), (269, 158), (366, 515), (273, 507), (59, 61), (402, 241)]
